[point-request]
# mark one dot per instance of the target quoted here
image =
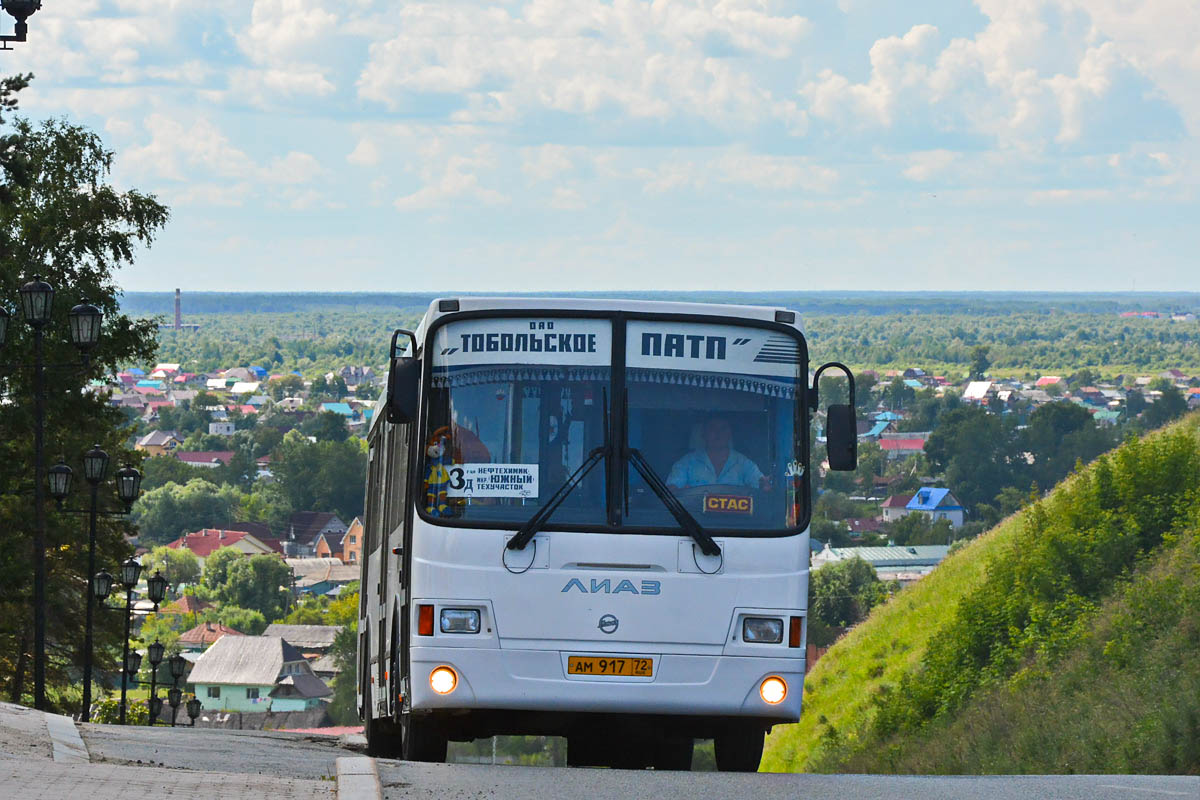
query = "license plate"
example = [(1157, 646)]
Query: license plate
[(626, 666)]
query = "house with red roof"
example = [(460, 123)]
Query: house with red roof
[(205, 458), (204, 635), (204, 543), (895, 507), (897, 449)]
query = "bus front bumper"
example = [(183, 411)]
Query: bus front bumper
[(537, 680)]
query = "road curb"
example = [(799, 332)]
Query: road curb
[(358, 779), (64, 736)]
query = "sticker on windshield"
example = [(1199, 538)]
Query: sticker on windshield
[(728, 504), (493, 480)]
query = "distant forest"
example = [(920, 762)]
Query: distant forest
[(876, 303), (1023, 334)]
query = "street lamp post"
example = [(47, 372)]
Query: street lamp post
[(129, 481), (20, 10), (155, 655), (37, 305), (130, 572)]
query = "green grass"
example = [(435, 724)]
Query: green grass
[(1054, 572), (887, 645)]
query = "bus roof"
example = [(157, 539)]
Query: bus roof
[(764, 313)]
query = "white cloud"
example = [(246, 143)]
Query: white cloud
[(364, 154), (455, 178), (927, 164)]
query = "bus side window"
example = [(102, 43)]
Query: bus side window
[(372, 521), (397, 489)]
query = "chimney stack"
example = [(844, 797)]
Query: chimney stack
[(178, 313)]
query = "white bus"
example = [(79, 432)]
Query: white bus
[(589, 518)]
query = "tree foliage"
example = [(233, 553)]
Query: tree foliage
[(841, 594), (61, 219)]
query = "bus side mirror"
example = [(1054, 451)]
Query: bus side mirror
[(404, 380), (841, 438), (841, 424)]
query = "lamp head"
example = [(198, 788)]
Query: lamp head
[(21, 10), (85, 320), (129, 485), (37, 296), (95, 465), (59, 477), (156, 588), (133, 663), (193, 707), (101, 585), (155, 653), (131, 571)]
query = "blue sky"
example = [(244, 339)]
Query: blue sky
[(695, 144)]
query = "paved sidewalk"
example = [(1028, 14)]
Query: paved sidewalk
[(43, 779)]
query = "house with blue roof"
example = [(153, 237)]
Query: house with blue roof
[(339, 408), (876, 430), (937, 504)]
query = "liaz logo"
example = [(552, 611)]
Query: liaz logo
[(605, 586)]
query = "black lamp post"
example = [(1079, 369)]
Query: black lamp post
[(130, 572), (37, 306), (20, 10), (95, 465), (193, 708), (154, 654), (178, 666)]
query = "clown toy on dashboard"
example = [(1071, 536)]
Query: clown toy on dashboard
[(437, 481)]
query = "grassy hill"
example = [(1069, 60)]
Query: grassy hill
[(1064, 640)]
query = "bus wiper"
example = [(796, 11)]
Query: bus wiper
[(668, 498), (539, 519)]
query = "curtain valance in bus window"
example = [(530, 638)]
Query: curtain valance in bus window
[(755, 384), (444, 378)]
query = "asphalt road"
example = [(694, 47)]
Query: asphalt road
[(289, 755)]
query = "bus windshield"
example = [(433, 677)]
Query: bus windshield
[(714, 410), (516, 405)]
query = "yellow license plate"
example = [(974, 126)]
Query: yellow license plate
[(627, 666)]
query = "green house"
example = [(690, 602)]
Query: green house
[(256, 673)]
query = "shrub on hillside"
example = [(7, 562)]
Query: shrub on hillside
[(1037, 597)]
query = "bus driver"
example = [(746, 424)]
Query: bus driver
[(717, 462)]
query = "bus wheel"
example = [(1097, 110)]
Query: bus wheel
[(739, 749), (422, 739), (673, 753)]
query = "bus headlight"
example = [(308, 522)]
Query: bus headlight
[(443, 680), (762, 630), (460, 620), (773, 690)]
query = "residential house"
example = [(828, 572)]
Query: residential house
[(977, 392), (343, 409), (187, 605), (328, 580), (895, 507), (256, 673), (222, 428), (305, 526), (157, 443), (313, 641), (204, 635), (906, 564), (938, 504), (899, 449), (352, 544), (1048, 380), (244, 387), (205, 458), (204, 543)]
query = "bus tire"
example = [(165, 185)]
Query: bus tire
[(422, 739), (674, 753), (739, 748)]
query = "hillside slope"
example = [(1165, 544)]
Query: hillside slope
[(987, 665)]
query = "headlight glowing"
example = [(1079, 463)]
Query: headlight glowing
[(762, 630), (443, 680), (773, 690), (460, 620)]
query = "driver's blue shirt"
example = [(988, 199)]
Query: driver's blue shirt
[(696, 469)]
